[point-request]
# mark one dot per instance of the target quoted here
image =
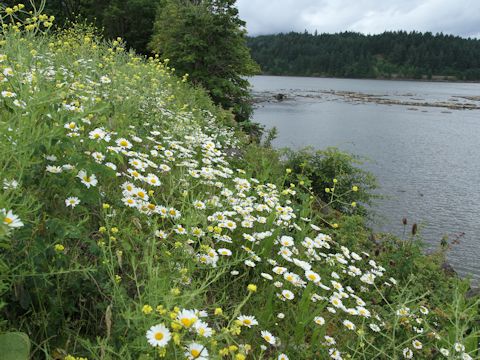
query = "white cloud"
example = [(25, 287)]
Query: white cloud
[(458, 17)]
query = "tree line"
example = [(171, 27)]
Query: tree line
[(397, 54)]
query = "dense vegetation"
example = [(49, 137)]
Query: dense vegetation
[(132, 20), (202, 40), (397, 54), (206, 40), (138, 222)]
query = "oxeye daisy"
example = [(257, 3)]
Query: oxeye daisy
[(196, 351), (268, 337), (87, 180), (187, 318), (10, 219), (349, 325), (247, 321), (199, 205), (312, 276), (203, 329), (173, 213), (266, 276), (444, 352), (158, 335), (8, 71), (282, 357), (319, 320), (152, 179), (54, 169), (71, 126), (72, 201), (407, 353), (287, 294), (229, 224), (417, 344), (224, 252), (8, 94), (123, 143)]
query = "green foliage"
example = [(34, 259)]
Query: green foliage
[(132, 20), (14, 346), (206, 40), (319, 169), (388, 55)]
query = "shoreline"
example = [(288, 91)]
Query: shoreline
[(378, 79)]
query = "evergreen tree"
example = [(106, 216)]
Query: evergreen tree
[(206, 40)]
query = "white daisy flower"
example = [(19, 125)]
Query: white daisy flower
[(87, 180), (247, 321), (187, 318), (268, 337), (196, 351), (72, 201), (10, 219), (158, 335), (123, 143)]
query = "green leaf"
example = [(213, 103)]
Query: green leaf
[(14, 346)]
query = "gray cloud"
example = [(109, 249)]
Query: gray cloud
[(458, 17)]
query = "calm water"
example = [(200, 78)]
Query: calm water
[(426, 159)]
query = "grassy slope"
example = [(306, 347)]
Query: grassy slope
[(91, 280)]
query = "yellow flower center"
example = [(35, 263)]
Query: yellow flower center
[(8, 220), (158, 336), (312, 277), (247, 322), (195, 353), (187, 322), (123, 143)]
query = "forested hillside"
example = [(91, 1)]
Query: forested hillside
[(389, 55)]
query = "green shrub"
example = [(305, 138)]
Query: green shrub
[(321, 167)]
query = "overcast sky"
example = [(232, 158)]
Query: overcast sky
[(458, 17)]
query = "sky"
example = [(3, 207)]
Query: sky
[(457, 17)]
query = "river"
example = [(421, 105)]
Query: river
[(422, 139)]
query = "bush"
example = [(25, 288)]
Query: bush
[(321, 167)]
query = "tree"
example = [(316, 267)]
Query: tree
[(132, 20), (206, 40)]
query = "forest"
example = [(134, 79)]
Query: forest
[(398, 54)]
